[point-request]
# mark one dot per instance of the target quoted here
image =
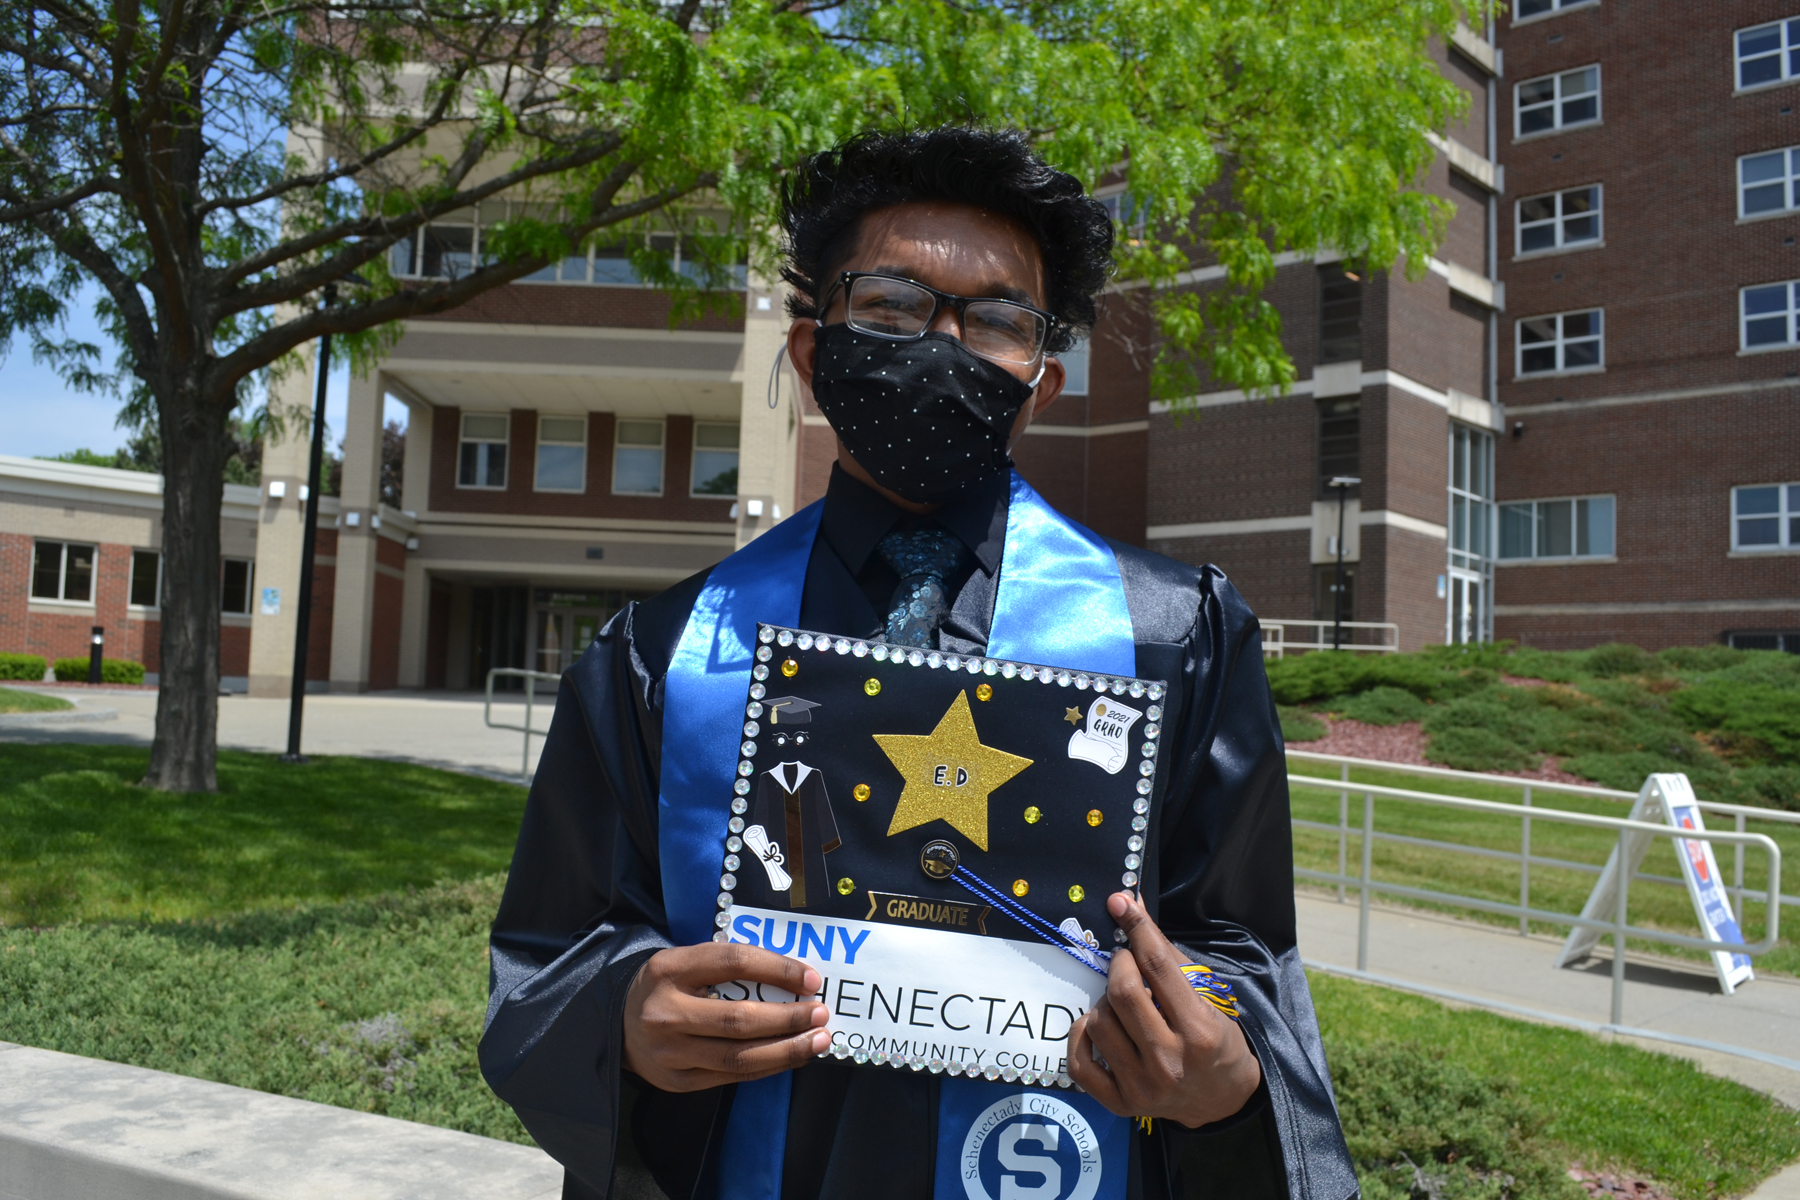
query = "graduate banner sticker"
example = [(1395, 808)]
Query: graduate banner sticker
[(937, 835)]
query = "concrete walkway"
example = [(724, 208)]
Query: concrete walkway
[(440, 729), (1470, 958)]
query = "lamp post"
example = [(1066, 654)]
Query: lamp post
[(309, 538), (1343, 484)]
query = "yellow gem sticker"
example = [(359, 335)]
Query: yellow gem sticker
[(1095, 816), (790, 668), (1077, 894), (846, 885), (1033, 815), (1020, 887), (860, 791), (871, 687), (984, 692)]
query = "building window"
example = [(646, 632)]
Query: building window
[(444, 249), (1559, 220), (235, 575), (1542, 8), (1766, 517), (638, 459), (1340, 443), (1768, 53), (1560, 343), (146, 578), (562, 454), (1765, 639), (715, 459), (1766, 315), (1075, 361), (481, 458), (1340, 314), (63, 571), (1769, 183), (1555, 102), (1580, 527)]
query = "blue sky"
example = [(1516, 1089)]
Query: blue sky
[(40, 415)]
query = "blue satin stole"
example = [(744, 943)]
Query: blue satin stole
[(1061, 602)]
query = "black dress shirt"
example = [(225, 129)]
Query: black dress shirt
[(583, 905)]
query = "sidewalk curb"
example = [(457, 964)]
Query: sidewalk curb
[(80, 716), (73, 1126)]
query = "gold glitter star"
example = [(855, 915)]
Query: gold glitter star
[(948, 774), (1072, 715)]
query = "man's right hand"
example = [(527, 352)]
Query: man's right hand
[(680, 1040)]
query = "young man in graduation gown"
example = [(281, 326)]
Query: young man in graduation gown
[(936, 274)]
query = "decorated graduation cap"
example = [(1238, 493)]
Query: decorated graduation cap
[(941, 845)]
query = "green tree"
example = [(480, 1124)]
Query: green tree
[(214, 164)]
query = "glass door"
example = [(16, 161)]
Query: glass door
[(1468, 613)]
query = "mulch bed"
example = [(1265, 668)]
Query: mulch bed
[(1405, 743), (1599, 1183)]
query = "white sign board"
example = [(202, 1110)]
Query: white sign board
[(1668, 799), (901, 993)]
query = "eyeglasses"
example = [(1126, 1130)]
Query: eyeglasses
[(891, 307)]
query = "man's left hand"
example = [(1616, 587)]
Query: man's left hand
[(1168, 1052)]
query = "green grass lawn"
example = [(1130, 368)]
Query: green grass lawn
[(80, 842), (1606, 1105), (12, 700), (321, 932)]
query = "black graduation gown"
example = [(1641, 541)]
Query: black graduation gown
[(583, 909)]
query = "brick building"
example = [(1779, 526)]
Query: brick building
[(1578, 424)]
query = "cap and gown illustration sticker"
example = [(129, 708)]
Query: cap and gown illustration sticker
[(793, 811), (1103, 741)]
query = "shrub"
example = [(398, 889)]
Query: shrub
[(1419, 1124), (1767, 715), (112, 670), (1383, 705), (1617, 658), (26, 668), (1500, 729), (1700, 658), (1298, 725)]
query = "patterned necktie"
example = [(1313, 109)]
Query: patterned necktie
[(924, 559)]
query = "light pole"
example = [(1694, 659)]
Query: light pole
[(309, 538), (1343, 484)]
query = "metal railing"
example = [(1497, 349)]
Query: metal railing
[(1277, 643), (1619, 926), (532, 679), (1739, 813)]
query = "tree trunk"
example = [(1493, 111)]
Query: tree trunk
[(184, 754)]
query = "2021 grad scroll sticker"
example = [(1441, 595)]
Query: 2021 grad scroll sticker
[(936, 834)]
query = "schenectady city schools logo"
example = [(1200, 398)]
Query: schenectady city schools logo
[(1030, 1146)]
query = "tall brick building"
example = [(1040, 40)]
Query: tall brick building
[(1578, 424), (1583, 425)]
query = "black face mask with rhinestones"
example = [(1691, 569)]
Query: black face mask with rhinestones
[(928, 419)]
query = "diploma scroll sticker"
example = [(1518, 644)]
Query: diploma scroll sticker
[(769, 855), (1103, 741)]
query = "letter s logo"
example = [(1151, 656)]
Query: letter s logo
[(1037, 1164)]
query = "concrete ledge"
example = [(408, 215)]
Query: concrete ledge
[(76, 1128), (67, 717)]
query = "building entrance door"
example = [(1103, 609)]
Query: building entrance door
[(563, 634), (1467, 616)]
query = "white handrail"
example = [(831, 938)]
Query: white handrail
[(1277, 645), (1740, 813), (1619, 926), (487, 709)]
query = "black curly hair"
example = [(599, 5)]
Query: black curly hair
[(823, 203)]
